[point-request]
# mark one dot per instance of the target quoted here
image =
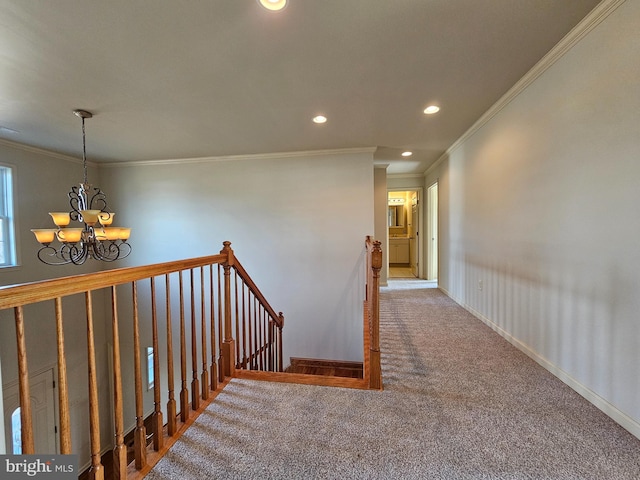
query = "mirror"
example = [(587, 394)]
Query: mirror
[(396, 215)]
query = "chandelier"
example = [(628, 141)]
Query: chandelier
[(96, 238)]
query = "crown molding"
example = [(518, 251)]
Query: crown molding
[(182, 161), (42, 151), (588, 23), (230, 158), (405, 175)]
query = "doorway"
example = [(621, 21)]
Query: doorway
[(404, 219), (42, 390), (432, 232)]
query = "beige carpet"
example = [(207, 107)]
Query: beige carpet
[(459, 403)]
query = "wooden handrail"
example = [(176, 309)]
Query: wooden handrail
[(26, 293)]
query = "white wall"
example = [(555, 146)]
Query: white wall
[(381, 207), (296, 222), (540, 205)]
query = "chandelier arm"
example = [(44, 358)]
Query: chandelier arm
[(98, 196), (77, 255), (106, 252), (126, 249), (77, 203), (97, 251), (47, 252)]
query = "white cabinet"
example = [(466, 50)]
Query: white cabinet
[(399, 250)]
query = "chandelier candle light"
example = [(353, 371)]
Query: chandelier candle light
[(97, 239)]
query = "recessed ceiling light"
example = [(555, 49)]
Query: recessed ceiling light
[(407, 154), (431, 109), (273, 5), (320, 119)]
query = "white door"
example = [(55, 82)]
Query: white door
[(42, 390), (414, 240), (432, 232)]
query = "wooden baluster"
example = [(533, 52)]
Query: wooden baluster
[(265, 338), (214, 367), (256, 323), (368, 269), (270, 346), (140, 433), (228, 344), (119, 450), (244, 327), (258, 335), (63, 389), (376, 264), (26, 425), (195, 383), (96, 471), (205, 372), (184, 392), (220, 358), (238, 362), (265, 341), (250, 330), (280, 365), (156, 419), (261, 337), (171, 403)]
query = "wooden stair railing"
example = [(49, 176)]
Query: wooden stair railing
[(258, 327), (218, 306), (371, 366), (216, 311)]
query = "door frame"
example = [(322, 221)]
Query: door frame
[(47, 376), (421, 224)]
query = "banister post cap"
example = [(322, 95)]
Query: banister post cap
[(228, 251), (376, 256)]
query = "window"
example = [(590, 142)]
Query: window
[(7, 239), (16, 432), (150, 372)]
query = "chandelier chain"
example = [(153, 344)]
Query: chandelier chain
[(84, 153)]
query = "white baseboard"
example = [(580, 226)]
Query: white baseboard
[(624, 420)]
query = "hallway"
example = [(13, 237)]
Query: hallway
[(458, 403)]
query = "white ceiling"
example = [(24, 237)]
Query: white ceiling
[(184, 79)]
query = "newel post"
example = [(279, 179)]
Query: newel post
[(374, 346), (281, 321), (228, 346)]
